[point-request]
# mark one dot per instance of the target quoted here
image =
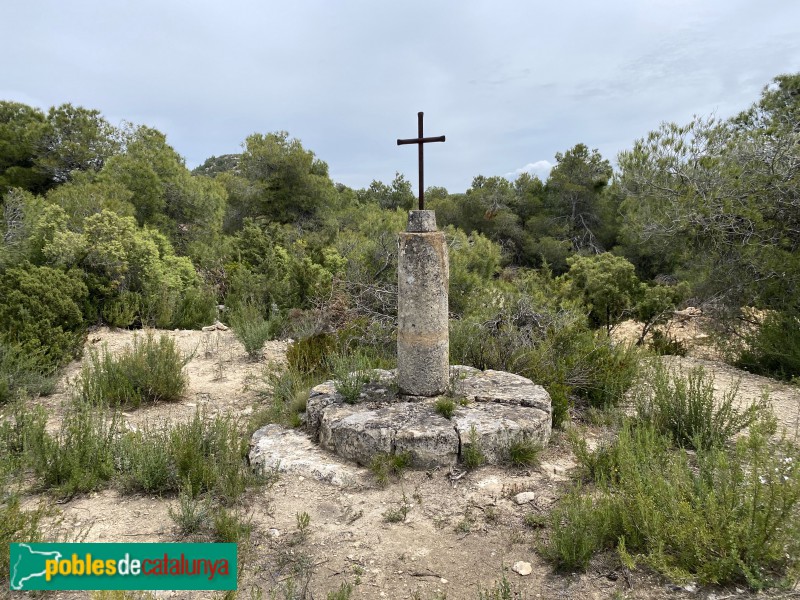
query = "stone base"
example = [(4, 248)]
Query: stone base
[(493, 409)]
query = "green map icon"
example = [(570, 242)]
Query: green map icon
[(28, 564)]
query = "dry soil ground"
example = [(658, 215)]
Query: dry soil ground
[(458, 536)]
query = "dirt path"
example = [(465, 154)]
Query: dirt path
[(457, 538)]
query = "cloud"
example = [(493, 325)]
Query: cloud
[(540, 168)]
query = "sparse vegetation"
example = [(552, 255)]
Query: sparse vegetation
[(148, 371), (384, 466), (344, 592), (522, 452), (252, 329), (471, 452), (287, 392), (231, 526), (685, 408), (80, 457), (192, 511), (350, 372), (445, 407), (105, 226), (303, 520), (722, 515)]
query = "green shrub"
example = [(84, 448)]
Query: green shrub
[(121, 310), (445, 407), (80, 457), (471, 452), (310, 355), (684, 408), (40, 312), (287, 392), (397, 515), (149, 371), (501, 590), (663, 344), (23, 373), (197, 308), (722, 515), (606, 371), (209, 456), (774, 348), (252, 329), (547, 339), (350, 372), (18, 525), (145, 462), (231, 527), (191, 513), (384, 466), (559, 403), (580, 526), (21, 433), (522, 451), (344, 592)]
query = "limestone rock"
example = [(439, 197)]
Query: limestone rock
[(290, 451), (522, 568), (524, 498), (505, 388), (497, 425), (501, 408)]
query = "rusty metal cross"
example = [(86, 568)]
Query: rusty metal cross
[(420, 141)]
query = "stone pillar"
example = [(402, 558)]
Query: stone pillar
[(423, 273)]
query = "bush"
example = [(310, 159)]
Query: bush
[(445, 407), (80, 457), (191, 513), (197, 457), (146, 372), (580, 526), (121, 310), (23, 373), (145, 462), (722, 516), (252, 329), (522, 452), (385, 465), (774, 348), (471, 452), (288, 392), (663, 344), (40, 313), (17, 525), (231, 527), (607, 371), (20, 435), (209, 456), (197, 308), (350, 372), (684, 409), (549, 342), (310, 355)]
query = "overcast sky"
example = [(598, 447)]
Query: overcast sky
[(509, 83)]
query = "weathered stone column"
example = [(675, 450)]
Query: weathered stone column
[(423, 342)]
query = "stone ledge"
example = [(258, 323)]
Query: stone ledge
[(501, 407)]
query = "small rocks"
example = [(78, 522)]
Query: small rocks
[(524, 498), (217, 326), (522, 568)]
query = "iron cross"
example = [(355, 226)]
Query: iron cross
[(420, 141)]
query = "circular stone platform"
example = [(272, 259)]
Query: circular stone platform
[(501, 408)]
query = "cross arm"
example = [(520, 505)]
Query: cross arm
[(421, 140)]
